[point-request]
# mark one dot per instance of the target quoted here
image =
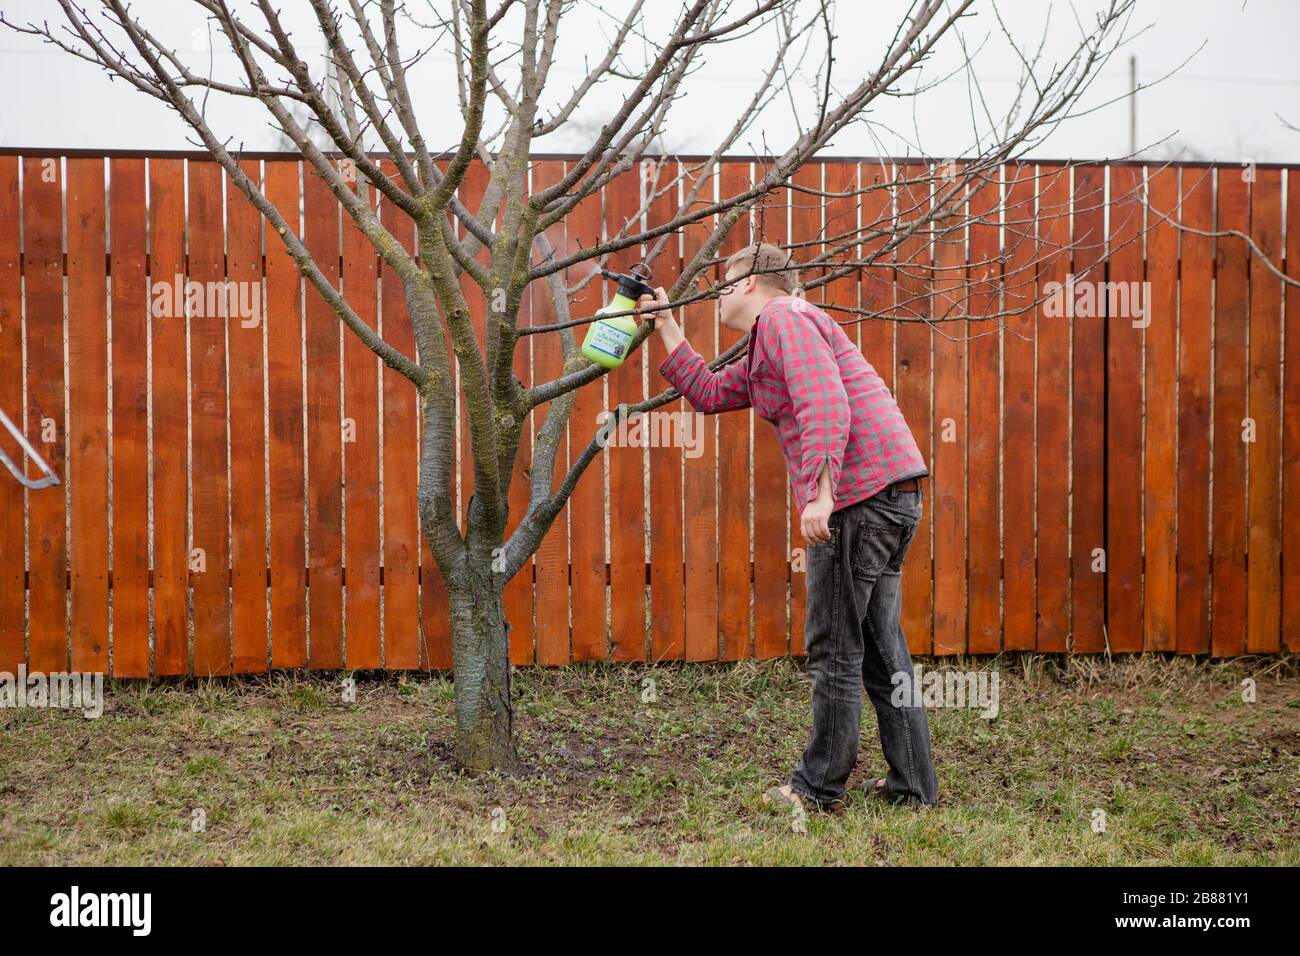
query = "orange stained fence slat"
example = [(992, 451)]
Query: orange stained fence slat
[(13, 613), (129, 334), (1264, 411), (210, 517), (625, 455), (699, 485), (1020, 278), (1052, 436), (913, 388), (679, 433), (1124, 335), (1231, 327), (324, 433), (587, 575), (734, 468), (171, 549), (984, 418), (1087, 452), (776, 519), (949, 426), (1195, 415), (362, 557), (284, 338), (1160, 484), (88, 418), (1291, 423), (47, 624), (400, 461), (245, 330)]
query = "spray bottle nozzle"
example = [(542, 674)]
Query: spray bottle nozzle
[(633, 284)]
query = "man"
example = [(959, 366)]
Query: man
[(854, 468)]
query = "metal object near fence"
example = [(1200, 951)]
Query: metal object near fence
[(17, 470)]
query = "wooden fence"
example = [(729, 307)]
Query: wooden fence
[(239, 489)]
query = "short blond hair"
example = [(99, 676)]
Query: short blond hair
[(768, 263)]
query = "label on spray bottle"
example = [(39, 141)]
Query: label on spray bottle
[(605, 338)]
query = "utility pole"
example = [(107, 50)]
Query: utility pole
[(1132, 104)]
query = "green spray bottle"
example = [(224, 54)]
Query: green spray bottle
[(607, 339)]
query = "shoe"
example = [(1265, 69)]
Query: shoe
[(787, 797), (878, 788)]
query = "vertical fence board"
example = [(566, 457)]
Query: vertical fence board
[(1087, 520), (627, 519), (130, 345), (668, 629), (912, 374), (1124, 413), (948, 499), (1291, 423), (209, 476), (699, 486), (1161, 477), (13, 588), (773, 516), (734, 470), (401, 462), (1052, 438), (284, 365), (1264, 538), (324, 434), (88, 414), (1018, 585), (587, 503), (1231, 325), (245, 326), (46, 509), (984, 419), (170, 416), (1194, 413), (361, 452)]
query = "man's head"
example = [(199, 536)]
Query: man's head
[(761, 271)]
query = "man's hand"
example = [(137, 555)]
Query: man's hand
[(814, 523), (670, 333)]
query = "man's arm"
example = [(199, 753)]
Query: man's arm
[(722, 391)]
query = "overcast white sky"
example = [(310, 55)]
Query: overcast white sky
[(1222, 104)]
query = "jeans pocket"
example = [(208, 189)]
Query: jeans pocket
[(875, 544)]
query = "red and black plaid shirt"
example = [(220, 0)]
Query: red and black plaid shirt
[(806, 377)]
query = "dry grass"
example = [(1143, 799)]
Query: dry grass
[(286, 773)]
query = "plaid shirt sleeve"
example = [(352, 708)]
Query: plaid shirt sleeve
[(805, 359), (708, 392)]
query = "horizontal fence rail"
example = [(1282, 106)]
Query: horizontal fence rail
[(238, 472)]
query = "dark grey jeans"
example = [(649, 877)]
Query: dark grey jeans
[(854, 640)]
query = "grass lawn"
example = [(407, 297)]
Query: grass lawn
[(287, 773)]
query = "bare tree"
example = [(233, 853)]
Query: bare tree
[(504, 58)]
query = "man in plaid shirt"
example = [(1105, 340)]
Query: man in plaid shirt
[(854, 469)]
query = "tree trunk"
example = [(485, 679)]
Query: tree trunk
[(481, 668)]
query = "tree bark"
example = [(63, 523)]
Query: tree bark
[(481, 668)]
